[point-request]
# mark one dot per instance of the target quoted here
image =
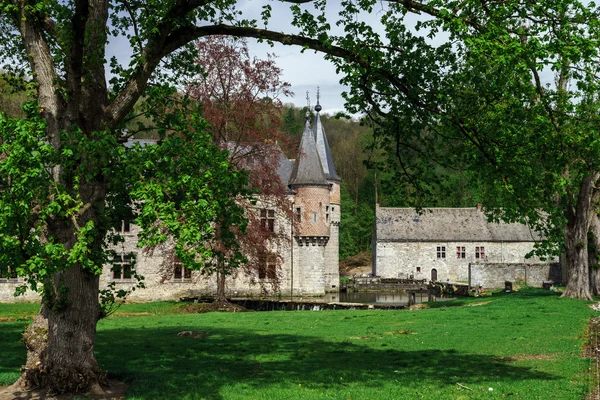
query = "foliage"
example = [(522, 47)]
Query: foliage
[(356, 224), (184, 188), (513, 343)]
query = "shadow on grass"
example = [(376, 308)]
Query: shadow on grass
[(157, 363), (13, 351)]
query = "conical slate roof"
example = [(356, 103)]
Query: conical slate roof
[(323, 148), (307, 168)]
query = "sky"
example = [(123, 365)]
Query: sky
[(304, 70)]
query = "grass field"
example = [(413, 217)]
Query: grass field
[(523, 345)]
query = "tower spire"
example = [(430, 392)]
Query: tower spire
[(322, 144)]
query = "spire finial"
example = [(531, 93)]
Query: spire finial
[(307, 106), (318, 106)]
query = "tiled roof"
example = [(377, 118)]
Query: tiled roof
[(447, 225), (323, 150), (307, 168)]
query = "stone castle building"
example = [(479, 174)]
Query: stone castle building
[(443, 243), (310, 261)]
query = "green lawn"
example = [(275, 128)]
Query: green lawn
[(523, 345)]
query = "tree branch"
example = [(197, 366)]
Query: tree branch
[(43, 68)]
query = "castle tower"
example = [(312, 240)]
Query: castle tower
[(332, 213), (311, 230), (316, 211)]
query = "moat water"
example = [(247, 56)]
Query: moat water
[(383, 298)]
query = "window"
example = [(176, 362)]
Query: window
[(8, 275), (123, 227), (268, 268), (181, 273), (298, 214), (267, 219), (122, 268), (326, 217), (314, 217), (441, 252), (480, 252), (418, 269), (460, 252)]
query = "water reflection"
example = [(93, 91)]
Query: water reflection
[(391, 298)]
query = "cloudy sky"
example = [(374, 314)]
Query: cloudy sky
[(305, 71)]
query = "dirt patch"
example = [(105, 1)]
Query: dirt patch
[(115, 391), (358, 264), (419, 306), (15, 319), (481, 303), (131, 314), (194, 334)]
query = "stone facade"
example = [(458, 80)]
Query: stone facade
[(439, 244), (494, 275), (310, 261)]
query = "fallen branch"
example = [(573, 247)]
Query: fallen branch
[(464, 387)]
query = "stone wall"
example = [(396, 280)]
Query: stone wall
[(7, 291), (494, 275), (332, 254), (419, 259), (314, 264)]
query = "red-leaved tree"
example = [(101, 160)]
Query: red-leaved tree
[(240, 97)]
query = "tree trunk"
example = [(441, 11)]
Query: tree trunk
[(578, 286), (60, 341), (576, 241), (221, 288), (594, 253)]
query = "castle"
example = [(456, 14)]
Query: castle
[(309, 259)]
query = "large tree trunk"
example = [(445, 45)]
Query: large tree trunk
[(60, 341), (578, 286), (576, 241)]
